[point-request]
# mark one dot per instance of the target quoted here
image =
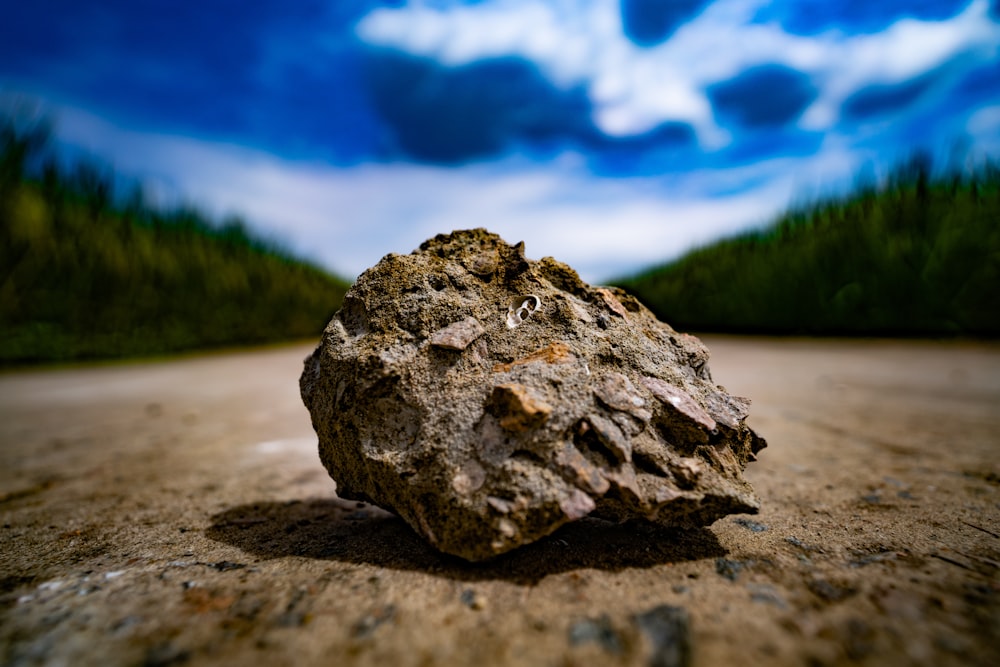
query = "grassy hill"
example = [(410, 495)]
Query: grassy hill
[(83, 275), (918, 255)]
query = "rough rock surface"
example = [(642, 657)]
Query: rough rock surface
[(488, 399)]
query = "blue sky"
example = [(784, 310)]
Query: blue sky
[(611, 134)]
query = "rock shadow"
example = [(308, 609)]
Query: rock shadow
[(350, 532)]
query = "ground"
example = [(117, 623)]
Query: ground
[(176, 513)]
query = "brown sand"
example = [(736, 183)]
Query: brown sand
[(177, 513)]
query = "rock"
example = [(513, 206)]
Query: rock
[(752, 526), (831, 592), (667, 630), (730, 569), (598, 630), (488, 399), (473, 599), (766, 594), (458, 335)]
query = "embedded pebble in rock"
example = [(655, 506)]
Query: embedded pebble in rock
[(488, 399), (458, 335)]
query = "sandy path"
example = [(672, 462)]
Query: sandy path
[(177, 513)]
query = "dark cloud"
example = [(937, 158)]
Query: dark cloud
[(218, 35), (650, 22), (668, 147), (295, 80), (279, 76), (881, 99), (33, 35), (979, 85), (453, 115), (809, 17), (770, 143), (495, 107), (763, 96)]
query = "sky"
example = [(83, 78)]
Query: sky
[(610, 134)]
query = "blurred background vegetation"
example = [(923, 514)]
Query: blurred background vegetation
[(915, 255), (86, 273)]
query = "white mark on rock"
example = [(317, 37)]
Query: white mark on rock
[(521, 309)]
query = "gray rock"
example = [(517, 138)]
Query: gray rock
[(488, 399), (598, 630), (668, 632)]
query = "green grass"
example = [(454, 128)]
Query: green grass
[(918, 255), (84, 275)]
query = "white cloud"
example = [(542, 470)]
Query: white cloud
[(349, 218), (985, 121), (634, 89), (984, 128), (905, 50)]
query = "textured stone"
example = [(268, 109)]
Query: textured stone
[(488, 399), (458, 335)]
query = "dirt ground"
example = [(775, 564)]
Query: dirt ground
[(177, 513)]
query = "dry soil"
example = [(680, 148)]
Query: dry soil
[(177, 513)]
